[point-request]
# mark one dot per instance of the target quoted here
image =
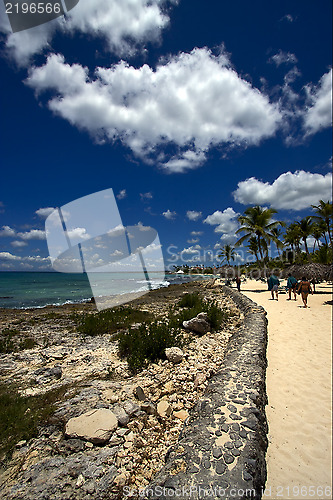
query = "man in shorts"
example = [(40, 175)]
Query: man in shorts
[(291, 286), (273, 286)]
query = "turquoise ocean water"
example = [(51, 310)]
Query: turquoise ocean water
[(25, 290)]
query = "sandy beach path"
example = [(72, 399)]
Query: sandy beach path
[(299, 388)]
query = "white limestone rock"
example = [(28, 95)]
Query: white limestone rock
[(174, 354), (95, 426)]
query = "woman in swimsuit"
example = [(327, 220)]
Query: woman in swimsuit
[(304, 289)]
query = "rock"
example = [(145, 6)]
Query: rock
[(130, 407), (217, 453), (116, 441), (75, 445), (149, 408), (199, 324), (129, 436), (80, 481), (111, 396), (139, 394), (174, 354), (164, 409), (139, 442), (199, 379), (168, 387), (55, 372), (95, 426), (228, 458), (204, 316), (122, 479), (181, 414), (20, 444), (220, 468), (121, 415)]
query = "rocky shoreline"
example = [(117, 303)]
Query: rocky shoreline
[(150, 407)]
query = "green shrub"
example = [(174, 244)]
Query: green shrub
[(147, 343), (190, 300), (110, 320), (193, 305), (20, 416), (11, 340)]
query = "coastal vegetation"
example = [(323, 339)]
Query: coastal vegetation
[(147, 343), (21, 416), (260, 231), (142, 337), (274, 244), (12, 340), (109, 320), (191, 305)]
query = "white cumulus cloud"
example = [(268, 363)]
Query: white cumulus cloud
[(7, 231), (122, 194), (283, 58), (169, 214), (293, 191), (43, 213), (193, 101), (146, 196), (193, 214), (78, 232), (33, 234), (319, 112), (8, 256), (18, 244), (225, 222)]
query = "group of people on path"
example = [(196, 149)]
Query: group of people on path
[(303, 287)]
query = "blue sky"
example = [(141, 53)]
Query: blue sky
[(190, 111)]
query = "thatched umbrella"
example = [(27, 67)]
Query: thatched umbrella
[(227, 272), (312, 270)]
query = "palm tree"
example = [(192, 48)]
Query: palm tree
[(228, 252), (276, 232), (324, 212), (257, 223), (317, 232), (305, 227), (293, 237), (253, 247)]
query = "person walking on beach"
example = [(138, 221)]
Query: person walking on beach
[(273, 286), (291, 285), (304, 288), (238, 283), (313, 282)]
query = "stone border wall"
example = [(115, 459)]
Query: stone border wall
[(221, 450)]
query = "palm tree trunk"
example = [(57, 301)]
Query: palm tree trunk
[(326, 243), (329, 230), (260, 250)]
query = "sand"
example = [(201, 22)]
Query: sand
[(299, 388)]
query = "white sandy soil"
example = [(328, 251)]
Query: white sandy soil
[(299, 388)]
